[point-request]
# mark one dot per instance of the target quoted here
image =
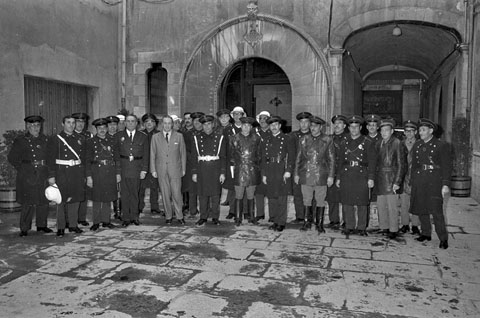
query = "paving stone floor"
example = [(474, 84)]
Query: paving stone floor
[(153, 270)]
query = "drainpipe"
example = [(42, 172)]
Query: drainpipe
[(124, 54)]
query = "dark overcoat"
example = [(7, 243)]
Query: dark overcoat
[(187, 183), (357, 165), (333, 192), (278, 157), (228, 131), (138, 149), (262, 188), (391, 166), (296, 136), (70, 179), (208, 171), (431, 169), (149, 181), (103, 168), (244, 151), (29, 157)]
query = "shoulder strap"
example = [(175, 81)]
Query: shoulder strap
[(68, 146), (219, 145), (196, 144)]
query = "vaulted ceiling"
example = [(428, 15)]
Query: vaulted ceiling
[(421, 47)]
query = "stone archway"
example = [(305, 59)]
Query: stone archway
[(295, 52)]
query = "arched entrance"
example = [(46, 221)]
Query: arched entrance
[(290, 49), (257, 84)]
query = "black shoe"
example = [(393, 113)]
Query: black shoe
[(261, 217), (392, 235), (60, 233), (181, 222), (270, 220), (384, 232), (230, 216), (273, 227), (155, 211), (140, 211), (444, 244), (306, 226), (415, 230), (75, 229), (84, 223), (215, 222), (225, 203), (125, 223), (298, 221), (95, 227), (347, 233), (319, 228), (363, 233), (331, 225), (44, 229), (405, 229), (23, 233), (201, 222), (280, 228), (253, 221), (238, 222), (117, 216), (168, 222), (422, 238), (136, 222), (109, 225)]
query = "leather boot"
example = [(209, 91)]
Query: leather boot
[(238, 211), (319, 216), (251, 211), (307, 224)]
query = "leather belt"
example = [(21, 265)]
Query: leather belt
[(127, 157), (353, 163), (70, 163), (208, 158), (274, 159), (103, 162), (429, 167), (35, 162)]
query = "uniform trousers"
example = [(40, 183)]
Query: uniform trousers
[(260, 204), (405, 211), (129, 190), (334, 211), (240, 191), (439, 221), (153, 199), (69, 210), (82, 211), (320, 194), (214, 206), (101, 212), (231, 201), (349, 217), (26, 216), (298, 201), (192, 201), (387, 206), (171, 189), (277, 209)]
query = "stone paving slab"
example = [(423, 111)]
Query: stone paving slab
[(306, 259)]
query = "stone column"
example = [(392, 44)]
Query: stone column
[(335, 59)]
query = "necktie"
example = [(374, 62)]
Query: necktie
[(131, 136), (166, 137)]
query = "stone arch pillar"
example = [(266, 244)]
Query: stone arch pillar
[(295, 52)]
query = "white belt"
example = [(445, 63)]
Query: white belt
[(70, 162), (208, 158)]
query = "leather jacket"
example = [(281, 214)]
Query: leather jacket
[(244, 151), (315, 160), (391, 165)]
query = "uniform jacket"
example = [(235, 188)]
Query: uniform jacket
[(262, 188), (208, 171), (278, 157), (29, 157), (333, 192), (244, 151), (315, 160), (149, 181), (70, 179), (103, 166), (187, 183), (391, 165), (407, 186), (171, 156), (138, 149), (228, 131), (357, 165), (431, 169)]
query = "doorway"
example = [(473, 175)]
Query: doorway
[(257, 85)]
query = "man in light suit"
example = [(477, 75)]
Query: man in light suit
[(168, 160)]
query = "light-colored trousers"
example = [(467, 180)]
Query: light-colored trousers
[(404, 211), (171, 189), (387, 206)]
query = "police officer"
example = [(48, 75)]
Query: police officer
[(277, 163), (373, 124), (81, 123), (112, 130), (209, 168), (263, 132), (244, 151), (103, 173), (131, 147), (66, 164), (314, 171), (356, 174), (304, 122), (150, 122), (29, 157), (431, 172), (333, 193)]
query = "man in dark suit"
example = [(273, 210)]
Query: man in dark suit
[(29, 157), (132, 153), (430, 179), (168, 160)]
